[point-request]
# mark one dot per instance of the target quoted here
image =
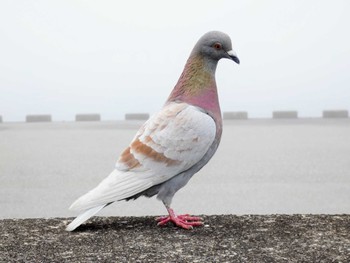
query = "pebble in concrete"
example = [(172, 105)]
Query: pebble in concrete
[(38, 118), (285, 115), (136, 116), (335, 114), (235, 115), (88, 117)]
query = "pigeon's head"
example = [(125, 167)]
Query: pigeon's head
[(215, 45)]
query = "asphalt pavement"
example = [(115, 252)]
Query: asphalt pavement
[(261, 167)]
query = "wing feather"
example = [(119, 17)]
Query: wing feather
[(170, 142)]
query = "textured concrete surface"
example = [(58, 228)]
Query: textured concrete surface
[(88, 117), (38, 118), (270, 238), (284, 114), (261, 167)]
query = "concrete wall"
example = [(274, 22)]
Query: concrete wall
[(284, 114), (335, 114), (223, 238), (88, 117), (235, 115), (39, 118), (136, 116)]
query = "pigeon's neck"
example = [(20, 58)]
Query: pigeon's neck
[(197, 86)]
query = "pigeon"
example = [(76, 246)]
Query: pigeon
[(173, 144)]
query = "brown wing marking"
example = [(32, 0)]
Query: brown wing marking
[(141, 148)]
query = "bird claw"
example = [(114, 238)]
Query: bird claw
[(183, 221)]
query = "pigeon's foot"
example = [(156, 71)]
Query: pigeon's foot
[(183, 221)]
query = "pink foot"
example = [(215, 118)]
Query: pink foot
[(183, 221)]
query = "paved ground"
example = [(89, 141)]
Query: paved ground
[(274, 238), (261, 167)]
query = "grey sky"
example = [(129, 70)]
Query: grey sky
[(112, 57)]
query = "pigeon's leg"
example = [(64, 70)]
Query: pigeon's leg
[(183, 221)]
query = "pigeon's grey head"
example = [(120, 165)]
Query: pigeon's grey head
[(215, 45)]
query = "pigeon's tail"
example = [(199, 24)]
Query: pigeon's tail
[(83, 217)]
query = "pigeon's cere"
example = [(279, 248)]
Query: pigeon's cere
[(174, 144)]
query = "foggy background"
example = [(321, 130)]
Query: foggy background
[(113, 57)]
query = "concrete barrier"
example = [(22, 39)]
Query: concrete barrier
[(235, 115), (285, 115), (39, 118), (335, 114), (88, 117), (225, 238), (136, 116)]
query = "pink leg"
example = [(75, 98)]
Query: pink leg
[(183, 221)]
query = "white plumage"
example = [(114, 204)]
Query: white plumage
[(173, 144), (179, 132)]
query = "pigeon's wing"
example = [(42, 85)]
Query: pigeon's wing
[(170, 142)]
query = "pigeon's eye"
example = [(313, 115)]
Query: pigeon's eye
[(217, 46)]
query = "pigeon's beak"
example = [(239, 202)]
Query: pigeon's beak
[(233, 56)]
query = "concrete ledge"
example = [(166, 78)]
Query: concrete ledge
[(136, 116), (284, 114), (335, 114), (88, 117), (235, 115), (228, 238), (38, 118)]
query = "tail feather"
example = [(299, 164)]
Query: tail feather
[(83, 217), (117, 186)]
